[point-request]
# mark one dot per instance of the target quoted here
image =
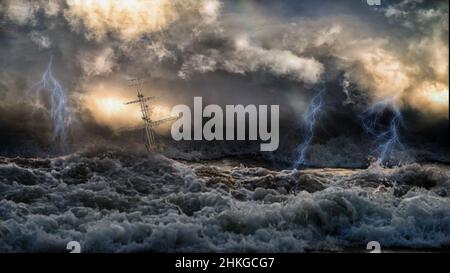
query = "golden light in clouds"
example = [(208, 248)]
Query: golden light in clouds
[(438, 97), (111, 106), (388, 76), (129, 18), (431, 98), (132, 18), (112, 112), (106, 104)]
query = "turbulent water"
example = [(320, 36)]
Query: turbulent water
[(119, 202)]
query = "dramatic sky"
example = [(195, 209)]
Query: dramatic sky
[(229, 52)]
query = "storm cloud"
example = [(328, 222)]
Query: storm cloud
[(229, 52)]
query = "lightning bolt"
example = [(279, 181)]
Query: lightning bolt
[(387, 136), (59, 110), (309, 120)]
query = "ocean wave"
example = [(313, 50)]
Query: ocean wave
[(115, 201)]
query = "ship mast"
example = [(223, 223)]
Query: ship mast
[(149, 124)]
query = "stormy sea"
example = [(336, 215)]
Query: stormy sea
[(113, 200), (277, 126)]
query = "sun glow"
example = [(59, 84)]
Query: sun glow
[(432, 98), (438, 96), (110, 110), (106, 104), (111, 106), (434, 93)]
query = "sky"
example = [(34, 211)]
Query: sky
[(228, 52)]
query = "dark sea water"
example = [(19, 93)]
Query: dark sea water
[(113, 201)]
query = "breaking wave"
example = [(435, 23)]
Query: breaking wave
[(114, 201)]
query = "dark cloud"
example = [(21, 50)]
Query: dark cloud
[(259, 52)]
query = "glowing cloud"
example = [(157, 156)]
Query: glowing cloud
[(106, 104), (432, 98), (132, 18)]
